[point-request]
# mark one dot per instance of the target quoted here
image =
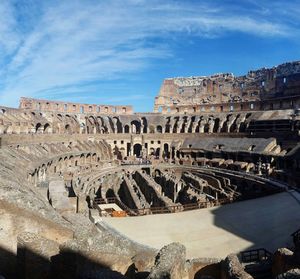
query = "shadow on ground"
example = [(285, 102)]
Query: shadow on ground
[(65, 265), (265, 222)]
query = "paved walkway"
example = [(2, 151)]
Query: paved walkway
[(216, 232)]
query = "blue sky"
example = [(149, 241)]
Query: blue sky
[(119, 51)]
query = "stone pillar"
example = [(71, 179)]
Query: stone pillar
[(161, 150), (143, 147), (82, 206)]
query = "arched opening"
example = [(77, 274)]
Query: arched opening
[(159, 129), (126, 129), (145, 125), (234, 126), (190, 127), (46, 128), (68, 129), (166, 153), (136, 127), (225, 125), (117, 153), (91, 125), (152, 151), (251, 147), (137, 150), (37, 127), (157, 152), (88, 158), (117, 125), (175, 125), (183, 126), (110, 194), (101, 125), (216, 126), (206, 128), (168, 128)]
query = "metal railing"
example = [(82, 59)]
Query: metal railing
[(136, 163), (255, 255), (164, 209), (123, 206)]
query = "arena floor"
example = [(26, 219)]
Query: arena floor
[(216, 232)]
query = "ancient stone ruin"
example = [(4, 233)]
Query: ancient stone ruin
[(98, 191)]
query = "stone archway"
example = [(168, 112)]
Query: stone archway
[(135, 127), (137, 150), (166, 152)]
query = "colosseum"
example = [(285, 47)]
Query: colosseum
[(205, 186)]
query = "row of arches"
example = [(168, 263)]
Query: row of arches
[(61, 164), (61, 156), (71, 124), (196, 124)]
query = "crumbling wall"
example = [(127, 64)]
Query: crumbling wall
[(250, 89)]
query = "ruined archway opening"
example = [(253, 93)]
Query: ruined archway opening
[(217, 125), (135, 127), (166, 153), (168, 128), (145, 125), (68, 129), (206, 128), (157, 152), (46, 128), (117, 153), (137, 150), (117, 125), (126, 129), (110, 193), (37, 127)]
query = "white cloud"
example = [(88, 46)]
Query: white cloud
[(9, 37), (69, 43)]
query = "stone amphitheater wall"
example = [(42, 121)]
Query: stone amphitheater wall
[(216, 140)]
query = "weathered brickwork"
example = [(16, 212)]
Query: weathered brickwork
[(273, 88)]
